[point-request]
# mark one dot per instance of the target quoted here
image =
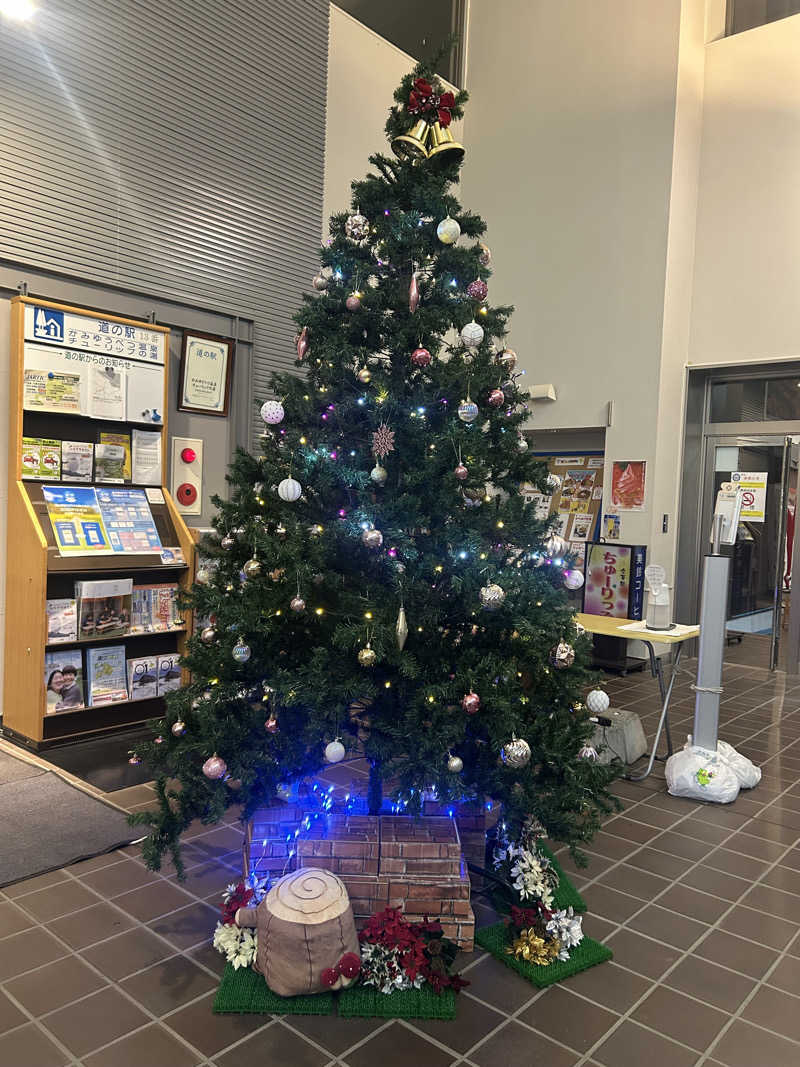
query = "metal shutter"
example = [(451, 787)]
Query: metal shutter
[(176, 149)]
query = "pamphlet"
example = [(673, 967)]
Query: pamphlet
[(50, 459), (582, 525), (124, 440), (107, 392), (63, 680), (169, 673), (155, 608), (106, 673), (52, 391), (109, 463), (31, 457), (104, 607), (128, 520), (143, 677), (146, 457), (62, 621), (76, 520), (76, 461)]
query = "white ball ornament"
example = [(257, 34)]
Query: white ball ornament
[(379, 474), (516, 752), (573, 579), (241, 652), (289, 490), (334, 751), (522, 443), (472, 334), (492, 596), (272, 412), (598, 702), (448, 231)]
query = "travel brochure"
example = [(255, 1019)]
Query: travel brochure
[(100, 521), (110, 459), (113, 608), (48, 390), (109, 677)]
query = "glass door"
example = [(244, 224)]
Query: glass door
[(759, 584)]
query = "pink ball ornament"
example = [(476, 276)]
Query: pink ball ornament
[(461, 472), (470, 702), (477, 290), (353, 302), (497, 397), (215, 767), (421, 357)]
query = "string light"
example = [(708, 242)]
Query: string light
[(319, 611), (367, 614)]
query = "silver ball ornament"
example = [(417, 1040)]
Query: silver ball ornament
[(492, 596), (448, 231), (208, 635), (228, 542), (516, 753), (357, 227), (472, 334), (272, 412), (289, 490), (455, 764), (573, 579), (334, 751), (485, 256), (178, 728), (468, 411), (215, 767), (598, 702), (522, 443), (320, 283), (379, 474), (297, 604), (252, 568), (241, 652), (555, 546), (562, 655), (507, 359), (372, 538)]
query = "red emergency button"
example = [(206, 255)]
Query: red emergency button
[(187, 494), (188, 455)]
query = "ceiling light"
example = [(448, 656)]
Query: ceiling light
[(19, 10)]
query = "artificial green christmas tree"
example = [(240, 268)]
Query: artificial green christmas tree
[(376, 573)]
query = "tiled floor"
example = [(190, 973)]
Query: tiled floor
[(108, 965)]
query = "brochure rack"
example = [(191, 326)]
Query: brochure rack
[(45, 334)]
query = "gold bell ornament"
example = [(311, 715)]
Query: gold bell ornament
[(443, 146), (411, 145)]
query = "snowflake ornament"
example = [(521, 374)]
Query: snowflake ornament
[(383, 441)]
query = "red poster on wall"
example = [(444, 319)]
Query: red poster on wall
[(627, 485)]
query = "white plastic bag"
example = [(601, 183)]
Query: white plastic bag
[(700, 774), (745, 770)]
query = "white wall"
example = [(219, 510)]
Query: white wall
[(363, 72), (569, 138)]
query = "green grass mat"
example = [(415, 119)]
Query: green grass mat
[(364, 1002), (566, 895), (495, 939), (244, 992)]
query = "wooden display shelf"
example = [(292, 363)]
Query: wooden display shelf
[(117, 638), (35, 566)]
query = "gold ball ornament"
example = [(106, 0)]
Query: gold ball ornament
[(252, 568), (507, 359), (562, 655), (379, 474), (366, 656), (516, 753), (364, 375), (178, 728), (492, 596), (455, 764)]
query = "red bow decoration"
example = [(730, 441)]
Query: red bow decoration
[(422, 99)]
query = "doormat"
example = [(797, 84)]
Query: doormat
[(495, 939), (243, 992), (48, 824)]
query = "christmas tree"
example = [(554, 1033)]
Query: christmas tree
[(376, 576)]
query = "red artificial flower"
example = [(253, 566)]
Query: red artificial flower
[(240, 898), (329, 976), (423, 87), (445, 103), (447, 100), (349, 965)]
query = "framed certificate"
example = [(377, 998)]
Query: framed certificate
[(204, 382)]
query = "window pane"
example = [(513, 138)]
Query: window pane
[(741, 401), (783, 398), (419, 27), (745, 14)]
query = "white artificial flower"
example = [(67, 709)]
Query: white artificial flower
[(567, 928)]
